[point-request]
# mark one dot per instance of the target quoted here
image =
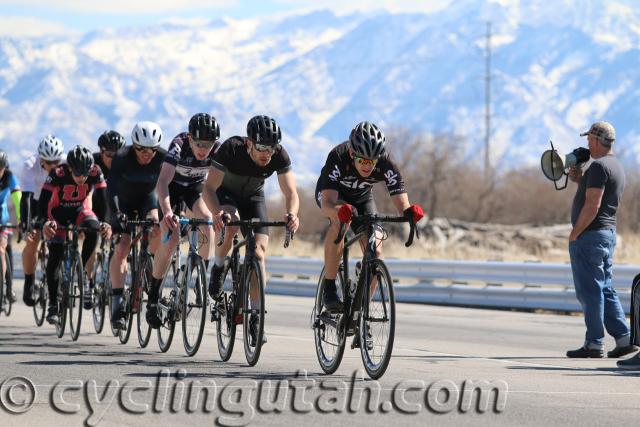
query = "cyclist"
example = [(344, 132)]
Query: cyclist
[(109, 143), (132, 180), (344, 186), (8, 188), (235, 186), (34, 173), (183, 173), (64, 199)]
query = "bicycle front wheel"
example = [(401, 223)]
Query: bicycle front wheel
[(144, 331), (224, 315), (2, 293), (8, 275), (74, 299), (97, 293), (253, 313), (194, 303), (377, 320), (329, 336), (63, 299), (124, 334), (167, 294), (40, 301)]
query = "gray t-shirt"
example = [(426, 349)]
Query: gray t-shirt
[(605, 172)]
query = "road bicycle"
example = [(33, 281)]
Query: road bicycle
[(369, 310), (234, 306), (183, 296), (101, 292)]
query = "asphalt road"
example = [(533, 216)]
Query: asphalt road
[(440, 354)]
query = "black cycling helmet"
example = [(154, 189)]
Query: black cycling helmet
[(205, 127), (80, 160), (4, 160), (367, 140), (111, 141), (264, 130)]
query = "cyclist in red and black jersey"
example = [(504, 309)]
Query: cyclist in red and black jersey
[(65, 199), (344, 186)]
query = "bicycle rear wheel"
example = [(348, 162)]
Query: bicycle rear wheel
[(224, 312), (2, 285), (329, 336), (97, 293), (252, 352), (74, 300), (194, 305), (166, 298), (377, 321), (144, 331)]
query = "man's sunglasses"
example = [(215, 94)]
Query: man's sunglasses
[(109, 154), (265, 148), (365, 162), (51, 162), (202, 144), (80, 175), (144, 149)]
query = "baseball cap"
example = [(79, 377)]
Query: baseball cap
[(602, 130)]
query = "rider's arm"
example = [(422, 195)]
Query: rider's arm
[(214, 181), (287, 183), (401, 202), (25, 207), (101, 206), (162, 187), (43, 203), (16, 195)]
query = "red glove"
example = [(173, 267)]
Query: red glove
[(345, 213), (414, 211)]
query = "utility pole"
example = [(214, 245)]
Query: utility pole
[(487, 107)]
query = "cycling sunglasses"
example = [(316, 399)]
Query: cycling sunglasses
[(203, 144), (109, 154), (51, 162), (365, 162), (145, 149), (265, 148)]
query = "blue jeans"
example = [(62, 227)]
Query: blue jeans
[(591, 264)]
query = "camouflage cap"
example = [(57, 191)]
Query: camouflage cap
[(603, 130)]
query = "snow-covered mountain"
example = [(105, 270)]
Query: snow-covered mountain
[(556, 67)]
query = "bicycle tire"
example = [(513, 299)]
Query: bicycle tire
[(62, 303), (252, 353), (194, 305), (40, 291), (97, 293), (109, 294), (127, 296), (225, 322), (377, 322), (328, 337), (143, 329), (7, 295), (1, 289), (167, 329), (75, 298)]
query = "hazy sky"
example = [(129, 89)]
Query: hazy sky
[(38, 17)]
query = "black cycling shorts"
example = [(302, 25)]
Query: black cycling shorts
[(134, 210), (252, 207), (366, 206), (179, 194)]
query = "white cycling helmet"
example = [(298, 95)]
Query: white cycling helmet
[(146, 134), (50, 148)]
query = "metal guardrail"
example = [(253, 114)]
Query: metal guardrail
[(465, 283)]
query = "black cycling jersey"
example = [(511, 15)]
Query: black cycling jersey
[(97, 159), (243, 177), (189, 170), (339, 173), (131, 181)]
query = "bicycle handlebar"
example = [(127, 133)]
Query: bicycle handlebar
[(255, 223), (187, 221), (375, 218)]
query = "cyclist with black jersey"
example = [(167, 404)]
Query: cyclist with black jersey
[(344, 186), (132, 181), (185, 169), (109, 143), (235, 186)]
